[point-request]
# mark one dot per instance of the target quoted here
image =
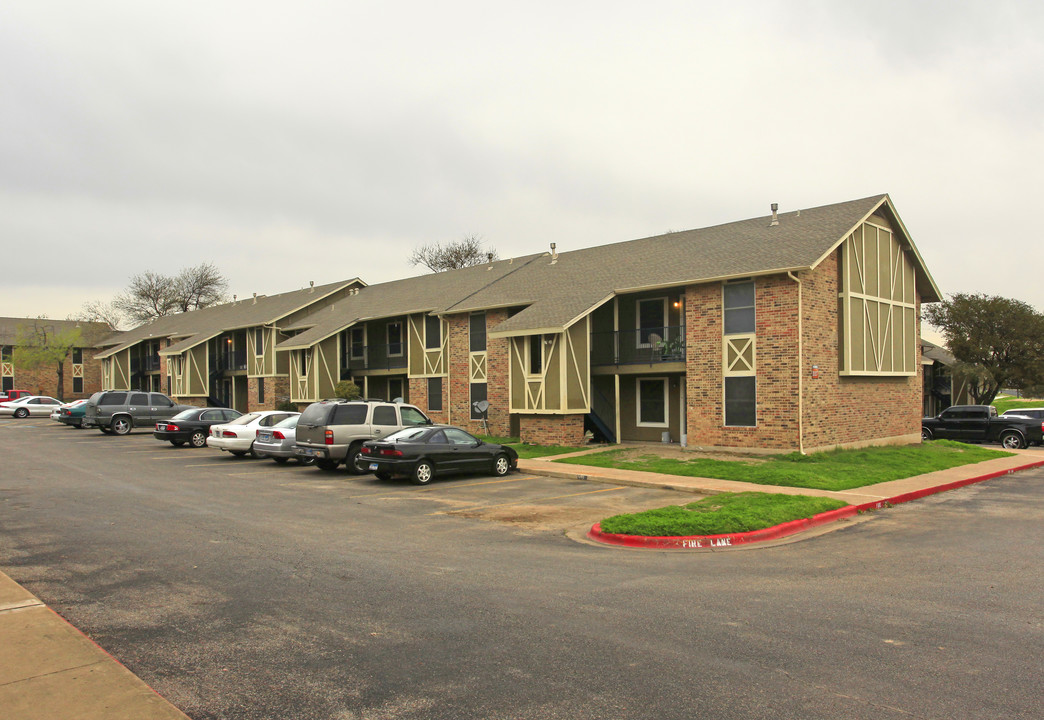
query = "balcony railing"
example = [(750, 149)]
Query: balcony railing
[(634, 347), (374, 357), (235, 360), (149, 363)]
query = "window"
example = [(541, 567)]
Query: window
[(438, 437), (77, 356), (139, 399), (741, 401), (477, 332), (395, 390), (260, 390), (536, 354), (459, 437), (259, 341), (651, 318), (739, 307), (212, 416), (413, 416), (652, 402), (348, 414), (357, 342), (77, 384), (435, 394), (6, 353), (384, 415), (8, 383), (160, 400), (478, 394), (395, 339), (432, 332)]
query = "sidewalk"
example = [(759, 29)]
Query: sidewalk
[(49, 670)]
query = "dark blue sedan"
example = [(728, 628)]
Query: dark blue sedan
[(421, 453)]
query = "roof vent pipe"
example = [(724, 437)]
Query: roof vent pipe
[(233, 299), (489, 259), (554, 254), (775, 217), (311, 286), (255, 298)]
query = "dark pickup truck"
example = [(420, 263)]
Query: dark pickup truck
[(980, 423)]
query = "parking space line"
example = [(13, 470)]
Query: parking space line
[(428, 489), (532, 500)]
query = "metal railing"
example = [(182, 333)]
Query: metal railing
[(385, 356), (631, 347)]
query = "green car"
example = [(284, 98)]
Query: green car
[(72, 413)]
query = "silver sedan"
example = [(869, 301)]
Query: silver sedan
[(277, 442), (31, 405)]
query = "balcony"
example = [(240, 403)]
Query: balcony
[(638, 347), (231, 361), (374, 357)]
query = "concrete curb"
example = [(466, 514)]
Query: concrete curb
[(702, 542)]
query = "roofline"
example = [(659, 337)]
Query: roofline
[(164, 351), (886, 200), (284, 346)]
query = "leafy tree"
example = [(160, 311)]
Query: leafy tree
[(39, 344), (464, 253), (348, 390), (998, 341)]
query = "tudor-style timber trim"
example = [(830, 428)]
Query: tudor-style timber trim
[(563, 385)]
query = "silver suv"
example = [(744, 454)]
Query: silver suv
[(332, 432), (118, 412)]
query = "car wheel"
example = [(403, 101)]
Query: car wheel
[(926, 434), (21, 413), (238, 453), (351, 460), (501, 465), (105, 430), (1011, 440), (305, 460), (177, 443), (327, 465), (281, 461), (198, 439), (423, 473), (121, 425), (383, 475), (252, 452)]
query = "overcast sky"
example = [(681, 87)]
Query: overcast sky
[(288, 142)]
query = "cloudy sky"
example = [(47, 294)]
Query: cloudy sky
[(288, 142)]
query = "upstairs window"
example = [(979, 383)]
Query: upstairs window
[(739, 308), (432, 332)]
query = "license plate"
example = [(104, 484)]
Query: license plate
[(161, 426), (312, 453), (264, 437), (373, 466)]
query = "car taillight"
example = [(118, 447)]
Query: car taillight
[(365, 450), (228, 433), (329, 437), (170, 427), (278, 435), (390, 452)]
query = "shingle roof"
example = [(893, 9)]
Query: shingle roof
[(93, 332), (211, 321)]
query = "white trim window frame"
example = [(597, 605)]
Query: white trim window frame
[(539, 372), (352, 344), (643, 342), (666, 421)]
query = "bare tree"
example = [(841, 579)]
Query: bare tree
[(465, 253), (151, 295)]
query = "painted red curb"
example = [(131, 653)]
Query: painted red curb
[(690, 542)]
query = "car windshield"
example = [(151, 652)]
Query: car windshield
[(406, 434), (290, 423), (186, 415), (245, 419)]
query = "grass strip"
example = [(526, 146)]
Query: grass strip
[(720, 514), (831, 470), (1010, 403), (527, 451)]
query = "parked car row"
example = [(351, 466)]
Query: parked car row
[(981, 423), (385, 438)]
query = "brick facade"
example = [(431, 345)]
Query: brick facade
[(277, 390), (44, 380), (552, 429), (459, 380)]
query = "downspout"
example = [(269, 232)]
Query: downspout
[(801, 369)]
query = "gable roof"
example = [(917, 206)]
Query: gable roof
[(9, 329), (201, 325)]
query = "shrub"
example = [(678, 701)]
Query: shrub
[(348, 390)]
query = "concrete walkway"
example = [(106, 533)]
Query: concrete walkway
[(51, 671)]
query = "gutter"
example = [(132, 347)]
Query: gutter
[(801, 369)]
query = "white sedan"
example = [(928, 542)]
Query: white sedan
[(32, 405), (237, 437)]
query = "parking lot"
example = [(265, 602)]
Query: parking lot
[(242, 589)]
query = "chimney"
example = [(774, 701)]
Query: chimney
[(554, 254), (775, 217)]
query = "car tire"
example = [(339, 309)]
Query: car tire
[(326, 465), (423, 472), (383, 476), (1012, 440), (198, 439), (926, 434), (238, 453), (21, 413), (351, 460), (281, 461), (177, 443), (105, 430), (501, 465), (121, 425), (252, 452), (305, 460)]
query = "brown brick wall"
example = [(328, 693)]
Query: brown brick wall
[(44, 380), (552, 429), (849, 410), (458, 383), (277, 389), (419, 397)]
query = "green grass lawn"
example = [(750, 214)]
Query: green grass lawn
[(527, 451), (720, 514), (833, 470), (1010, 403)]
